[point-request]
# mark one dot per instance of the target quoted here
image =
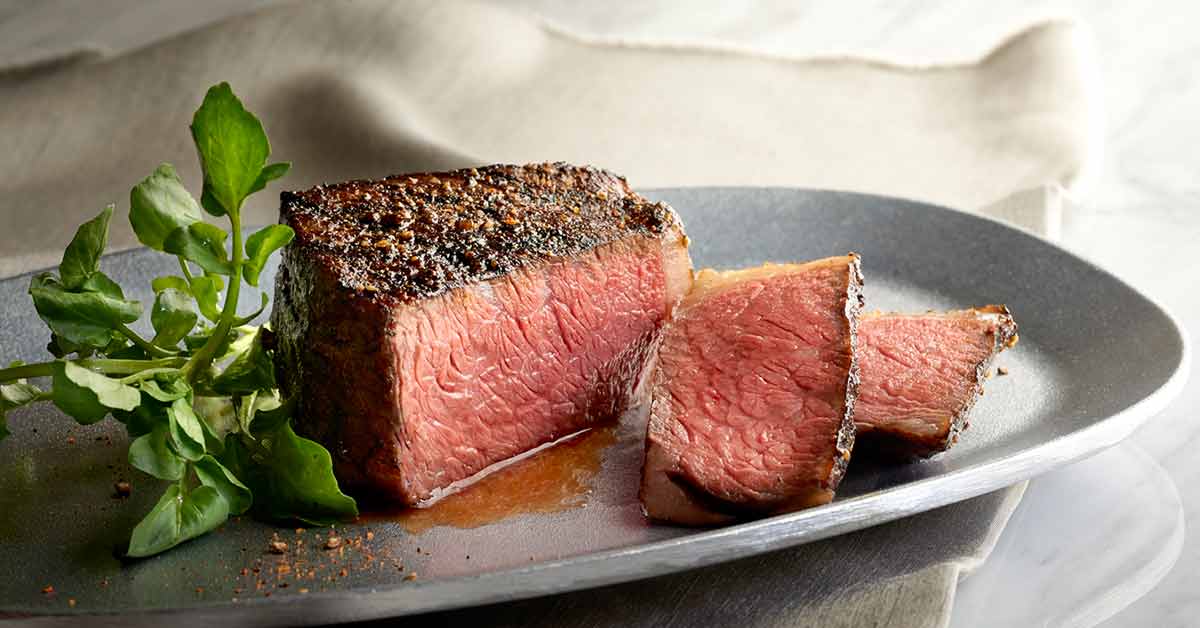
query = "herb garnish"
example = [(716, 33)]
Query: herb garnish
[(199, 398)]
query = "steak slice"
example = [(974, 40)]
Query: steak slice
[(921, 373), (754, 392), (432, 325)]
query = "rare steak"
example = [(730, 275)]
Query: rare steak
[(432, 325), (753, 393), (921, 373)]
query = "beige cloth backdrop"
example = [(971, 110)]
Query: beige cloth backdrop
[(359, 89)]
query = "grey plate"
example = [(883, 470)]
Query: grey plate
[(1096, 359)]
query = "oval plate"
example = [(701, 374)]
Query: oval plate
[(1096, 359)]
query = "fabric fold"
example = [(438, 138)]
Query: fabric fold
[(363, 89)]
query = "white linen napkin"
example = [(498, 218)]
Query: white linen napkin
[(360, 89)]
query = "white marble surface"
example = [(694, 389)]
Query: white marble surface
[(1138, 215), (1126, 538)]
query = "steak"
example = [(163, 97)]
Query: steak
[(432, 325), (921, 373), (754, 392)]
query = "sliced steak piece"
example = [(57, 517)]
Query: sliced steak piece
[(432, 325), (754, 392), (921, 373)]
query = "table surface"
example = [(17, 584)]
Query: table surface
[(1138, 216)]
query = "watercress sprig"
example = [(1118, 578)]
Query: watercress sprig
[(198, 398)]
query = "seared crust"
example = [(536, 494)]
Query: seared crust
[(1003, 337), (855, 302), (414, 236), (902, 446), (318, 326)]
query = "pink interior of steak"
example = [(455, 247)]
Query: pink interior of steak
[(490, 371), (751, 397), (922, 372)]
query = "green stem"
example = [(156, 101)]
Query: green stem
[(102, 365), (147, 346), (203, 358), (187, 272), (40, 369), (147, 374), (129, 367)]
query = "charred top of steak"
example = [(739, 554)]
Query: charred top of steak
[(413, 236)]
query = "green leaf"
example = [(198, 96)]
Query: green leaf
[(127, 352), (82, 256), (207, 290), (151, 454), (177, 518), (291, 477), (81, 318), (210, 202), (202, 243), (13, 396), (214, 440), (252, 370), (87, 395), (260, 246), (171, 281), (60, 347), (143, 419), (270, 417), (159, 205), (246, 409), (165, 389), (172, 317), (233, 149), (213, 473), (17, 394), (218, 416), (268, 401), (187, 435), (119, 346), (269, 174), (102, 284)]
